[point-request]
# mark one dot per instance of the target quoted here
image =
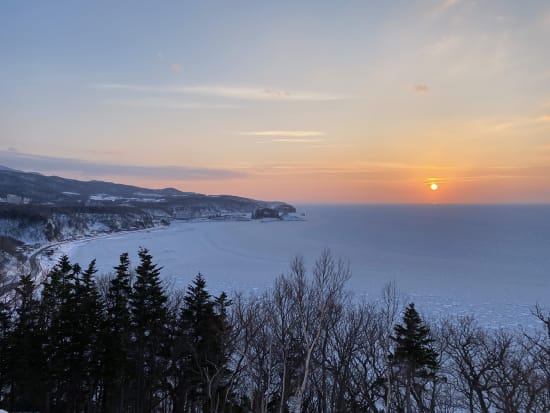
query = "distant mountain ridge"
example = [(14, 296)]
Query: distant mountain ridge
[(37, 189), (41, 188), (36, 209)]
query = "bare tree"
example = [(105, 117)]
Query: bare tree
[(389, 311), (313, 304), (253, 358), (283, 322), (544, 317)]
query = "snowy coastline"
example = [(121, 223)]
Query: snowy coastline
[(46, 255), (478, 274)]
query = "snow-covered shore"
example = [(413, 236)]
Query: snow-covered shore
[(496, 277)]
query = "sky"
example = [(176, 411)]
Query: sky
[(298, 101)]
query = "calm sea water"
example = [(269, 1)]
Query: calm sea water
[(492, 261)]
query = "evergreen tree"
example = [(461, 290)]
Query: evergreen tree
[(414, 358), (53, 289), (26, 358), (116, 340), (149, 316), (85, 363), (58, 299), (5, 325), (200, 352)]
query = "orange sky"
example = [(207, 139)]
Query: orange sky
[(326, 102)]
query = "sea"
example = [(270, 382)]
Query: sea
[(489, 261)]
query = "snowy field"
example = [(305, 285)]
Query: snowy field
[(489, 261)]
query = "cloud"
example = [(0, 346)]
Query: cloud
[(50, 164), (498, 172), (292, 140), (380, 171), (284, 133), (230, 92), (348, 173), (522, 122), (262, 93), (421, 88), (167, 104)]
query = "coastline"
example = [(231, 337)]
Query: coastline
[(450, 261), (40, 262)]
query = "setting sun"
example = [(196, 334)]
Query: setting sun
[(434, 187)]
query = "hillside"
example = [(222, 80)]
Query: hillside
[(36, 209)]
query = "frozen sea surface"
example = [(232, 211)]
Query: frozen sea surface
[(490, 261)]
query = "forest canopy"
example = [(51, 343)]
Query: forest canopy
[(79, 342)]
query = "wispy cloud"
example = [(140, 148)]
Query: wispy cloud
[(363, 171), (348, 173), (161, 103), (284, 133), (138, 88), (230, 92), (292, 140), (522, 122), (263, 93), (375, 171), (505, 172), (50, 164)]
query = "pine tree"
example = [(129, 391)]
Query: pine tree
[(26, 359), (414, 358), (200, 351), (58, 296), (5, 330), (86, 338), (116, 340), (149, 318), (53, 289)]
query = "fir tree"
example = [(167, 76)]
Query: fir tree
[(88, 316), (26, 358), (116, 340), (187, 350), (53, 289), (58, 298), (414, 358), (5, 325), (149, 317), (200, 352)]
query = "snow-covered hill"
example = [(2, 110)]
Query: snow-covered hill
[(37, 209)]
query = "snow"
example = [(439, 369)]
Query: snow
[(103, 197), (147, 195), (29, 234), (449, 265)]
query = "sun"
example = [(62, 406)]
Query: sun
[(434, 187)]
